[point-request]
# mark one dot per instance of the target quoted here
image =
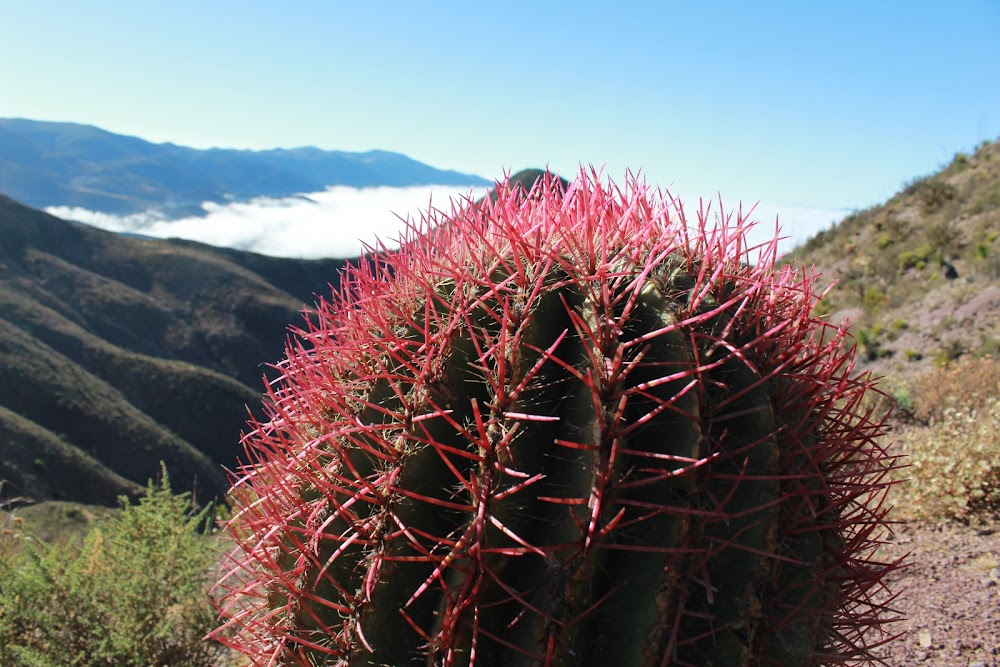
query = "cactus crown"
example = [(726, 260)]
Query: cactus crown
[(563, 427)]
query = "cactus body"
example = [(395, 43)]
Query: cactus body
[(566, 428)]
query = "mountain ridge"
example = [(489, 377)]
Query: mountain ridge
[(48, 164)]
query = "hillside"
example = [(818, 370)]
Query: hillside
[(65, 164), (919, 276), (119, 352)]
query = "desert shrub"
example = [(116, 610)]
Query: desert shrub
[(872, 299), (902, 399), (954, 455), (986, 199), (894, 396), (934, 194), (916, 258), (954, 465), (870, 343), (965, 384), (134, 594), (989, 346), (898, 226), (986, 258), (949, 352)]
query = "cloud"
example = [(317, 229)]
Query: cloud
[(333, 223), (339, 221)]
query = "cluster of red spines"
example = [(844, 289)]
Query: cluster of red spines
[(605, 240)]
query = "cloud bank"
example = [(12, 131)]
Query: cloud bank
[(339, 221), (333, 223)]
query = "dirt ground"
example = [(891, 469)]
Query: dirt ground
[(950, 595)]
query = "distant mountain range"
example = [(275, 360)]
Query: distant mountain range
[(46, 164)]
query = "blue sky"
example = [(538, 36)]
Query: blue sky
[(815, 105)]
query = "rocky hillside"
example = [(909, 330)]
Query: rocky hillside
[(919, 276), (117, 353)]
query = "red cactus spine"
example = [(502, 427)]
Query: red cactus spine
[(567, 428)]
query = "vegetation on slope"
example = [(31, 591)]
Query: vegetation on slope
[(117, 353), (919, 276), (919, 279), (134, 593)]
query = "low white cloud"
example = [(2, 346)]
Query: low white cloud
[(339, 221), (334, 223)]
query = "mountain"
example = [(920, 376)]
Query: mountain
[(46, 164), (919, 276), (117, 353)]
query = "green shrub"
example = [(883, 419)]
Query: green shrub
[(934, 194), (989, 347), (903, 400), (942, 234), (869, 342), (134, 595), (873, 299), (987, 261), (949, 352), (916, 258)]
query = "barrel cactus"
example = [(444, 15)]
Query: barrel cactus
[(563, 427)]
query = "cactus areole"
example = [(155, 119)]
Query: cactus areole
[(564, 427)]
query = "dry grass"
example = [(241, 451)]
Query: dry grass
[(953, 447)]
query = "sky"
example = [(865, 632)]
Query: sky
[(810, 109)]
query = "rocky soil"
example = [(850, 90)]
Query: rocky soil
[(950, 595)]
